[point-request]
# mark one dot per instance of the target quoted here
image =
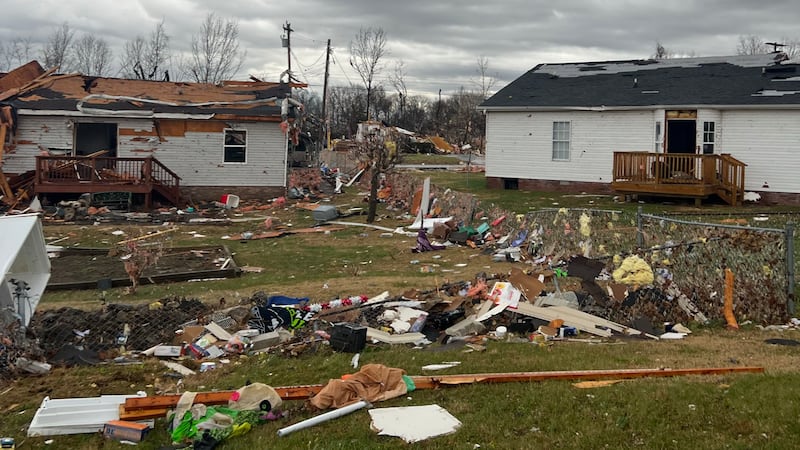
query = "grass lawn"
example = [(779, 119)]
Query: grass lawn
[(730, 411)]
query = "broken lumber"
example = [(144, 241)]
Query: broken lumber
[(433, 382), (147, 236)]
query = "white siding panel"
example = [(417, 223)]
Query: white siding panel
[(769, 143), (195, 157), (519, 145), (33, 132)]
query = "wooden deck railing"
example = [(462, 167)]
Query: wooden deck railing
[(99, 173), (679, 174)]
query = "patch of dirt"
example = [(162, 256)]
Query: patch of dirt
[(76, 265)]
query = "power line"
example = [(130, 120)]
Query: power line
[(336, 61)]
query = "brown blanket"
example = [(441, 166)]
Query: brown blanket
[(373, 383)]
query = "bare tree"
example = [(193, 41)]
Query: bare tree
[(373, 151), (215, 50), (366, 51), (751, 45), (144, 58), (398, 80), (662, 52), (347, 104), (92, 55), (56, 51), (791, 47), (15, 53), (485, 82)]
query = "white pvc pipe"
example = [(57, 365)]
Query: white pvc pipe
[(323, 417)]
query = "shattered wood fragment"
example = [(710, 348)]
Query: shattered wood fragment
[(530, 286)]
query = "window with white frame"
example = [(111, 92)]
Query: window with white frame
[(235, 147), (708, 137), (561, 141), (659, 144)]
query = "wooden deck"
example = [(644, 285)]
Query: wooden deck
[(679, 175), (92, 174)]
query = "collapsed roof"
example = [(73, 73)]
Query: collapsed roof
[(76, 94)]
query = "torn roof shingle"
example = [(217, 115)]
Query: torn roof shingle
[(237, 98), (721, 81)]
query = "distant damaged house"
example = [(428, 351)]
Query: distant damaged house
[(687, 127), (162, 141)]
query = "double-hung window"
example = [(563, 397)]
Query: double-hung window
[(708, 138), (561, 135), (235, 147)]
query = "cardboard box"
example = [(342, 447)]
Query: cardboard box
[(123, 430)]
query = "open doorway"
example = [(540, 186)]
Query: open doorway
[(91, 138), (681, 136)]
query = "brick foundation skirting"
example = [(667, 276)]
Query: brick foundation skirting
[(214, 193)]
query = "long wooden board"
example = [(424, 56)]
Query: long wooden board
[(142, 408)]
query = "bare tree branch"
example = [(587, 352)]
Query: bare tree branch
[(92, 55), (662, 52), (146, 59), (215, 50), (56, 51), (15, 53), (486, 82), (751, 45), (366, 51)]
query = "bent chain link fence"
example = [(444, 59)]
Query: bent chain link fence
[(684, 252)]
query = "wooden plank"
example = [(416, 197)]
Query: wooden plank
[(571, 312), (549, 314), (141, 408), (301, 392), (432, 382)]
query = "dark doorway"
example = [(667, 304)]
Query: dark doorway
[(94, 137), (681, 135)]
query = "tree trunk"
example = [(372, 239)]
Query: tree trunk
[(373, 195)]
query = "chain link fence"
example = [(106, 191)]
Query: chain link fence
[(688, 255)]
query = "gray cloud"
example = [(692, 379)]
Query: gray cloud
[(439, 41)]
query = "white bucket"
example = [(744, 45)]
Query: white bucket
[(232, 201)]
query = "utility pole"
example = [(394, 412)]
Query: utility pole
[(287, 42), (325, 124)]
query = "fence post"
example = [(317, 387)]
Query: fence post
[(790, 266), (639, 231)]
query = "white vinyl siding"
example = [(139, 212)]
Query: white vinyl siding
[(520, 144), (768, 142), (561, 138)]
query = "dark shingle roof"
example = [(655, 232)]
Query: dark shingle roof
[(749, 80)]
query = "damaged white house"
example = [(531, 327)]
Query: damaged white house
[(689, 127), (160, 140)]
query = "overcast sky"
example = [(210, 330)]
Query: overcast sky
[(440, 41)]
